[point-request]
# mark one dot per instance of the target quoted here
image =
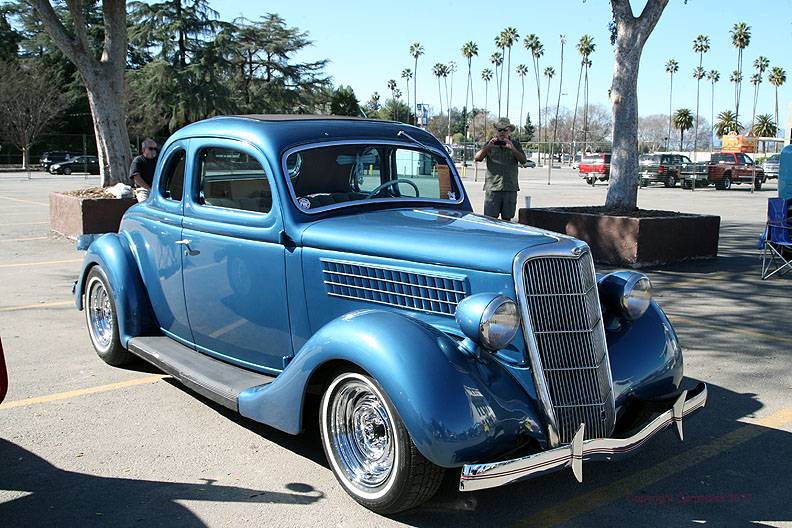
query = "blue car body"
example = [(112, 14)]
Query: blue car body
[(259, 292)]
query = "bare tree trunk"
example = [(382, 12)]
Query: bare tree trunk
[(574, 114), (631, 35), (103, 77)]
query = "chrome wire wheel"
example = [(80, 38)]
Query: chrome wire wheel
[(100, 314), (359, 435)]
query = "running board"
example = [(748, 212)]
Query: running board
[(217, 380)]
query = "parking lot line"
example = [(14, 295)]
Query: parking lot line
[(44, 263), (630, 485), (35, 306), (24, 201), (753, 333), (82, 392), (23, 239)]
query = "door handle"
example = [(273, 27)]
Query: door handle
[(188, 251)]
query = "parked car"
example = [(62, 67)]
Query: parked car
[(726, 168), (54, 156), (529, 164), (345, 267), (770, 166), (662, 168), (89, 164), (595, 167)]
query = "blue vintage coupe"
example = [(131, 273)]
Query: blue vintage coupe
[(281, 260)]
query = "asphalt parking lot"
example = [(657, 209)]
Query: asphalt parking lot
[(85, 444)]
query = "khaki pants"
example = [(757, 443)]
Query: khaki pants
[(500, 203)]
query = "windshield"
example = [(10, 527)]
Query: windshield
[(335, 176)]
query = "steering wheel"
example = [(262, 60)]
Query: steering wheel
[(391, 183)]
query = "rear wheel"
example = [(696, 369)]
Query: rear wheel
[(758, 184), (369, 449), (591, 181), (102, 321)]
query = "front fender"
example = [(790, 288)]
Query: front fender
[(456, 405), (112, 253), (645, 357)]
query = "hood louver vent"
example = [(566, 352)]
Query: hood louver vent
[(403, 288)]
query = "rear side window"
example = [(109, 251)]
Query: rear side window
[(233, 179), (173, 176)]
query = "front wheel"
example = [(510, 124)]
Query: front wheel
[(758, 184), (102, 320), (369, 449), (66, 171)]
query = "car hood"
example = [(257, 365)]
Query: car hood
[(433, 236)]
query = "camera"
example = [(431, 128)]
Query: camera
[(499, 142)]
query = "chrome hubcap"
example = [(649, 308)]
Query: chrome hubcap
[(100, 314), (361, 435)]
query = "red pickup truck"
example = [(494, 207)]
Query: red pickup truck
[(595, 167), (726, 168)]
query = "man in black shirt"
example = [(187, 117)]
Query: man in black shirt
[(141, 172)]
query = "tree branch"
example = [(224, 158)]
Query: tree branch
[(115, 43), (76, 10), (57, 30), (622, 10), (649, 18)]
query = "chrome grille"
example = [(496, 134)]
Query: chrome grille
[(566, 320), (438, 294)]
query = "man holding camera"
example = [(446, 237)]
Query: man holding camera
[(503, 154)]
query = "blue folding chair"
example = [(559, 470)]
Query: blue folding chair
[(777, 250)]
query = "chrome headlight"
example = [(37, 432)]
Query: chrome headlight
[(630, 291), (491, 320)]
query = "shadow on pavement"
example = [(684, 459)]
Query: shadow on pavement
[(50, 496)]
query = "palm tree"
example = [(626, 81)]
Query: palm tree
[(486, 76), (683, 120), (469, 50), (756, 80), (451, 68), (671, 67), (497, 61), (761, 63), (535, 47), (585, 47), (701, 45), (549, 72), (736, 78), (407, 75), (777, 77), (727, 122), (765, 127), (521, 70), (713, 76), (741, 38), (392, 88), (416, 50), (510, 37), (558, 102), (698, 74), (396, 103), (439, 70)]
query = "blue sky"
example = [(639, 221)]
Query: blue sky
[(367, 43)]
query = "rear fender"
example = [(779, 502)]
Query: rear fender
[(457, 406), (112, 253)]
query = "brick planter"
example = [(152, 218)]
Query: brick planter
[(630, 241), (76, 215)]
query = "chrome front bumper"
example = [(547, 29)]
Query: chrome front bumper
[(482, 476)]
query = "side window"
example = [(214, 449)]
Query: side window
[(173, 176), (234, 180)]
